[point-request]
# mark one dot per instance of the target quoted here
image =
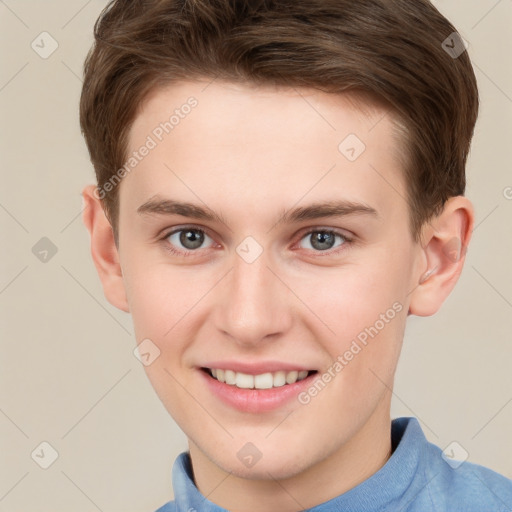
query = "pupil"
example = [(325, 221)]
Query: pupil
[(191, 239), (323, 240)]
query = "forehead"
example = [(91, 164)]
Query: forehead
[(262, 145)]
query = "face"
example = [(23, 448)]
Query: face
[(265, 231)]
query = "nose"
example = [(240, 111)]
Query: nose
[(254, 304)]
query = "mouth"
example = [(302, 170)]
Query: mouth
[(267, 380), (257, 388)]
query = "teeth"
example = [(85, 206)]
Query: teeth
[(244, 381), (230, 377), (291, 377), (279, 379), (262, 381)]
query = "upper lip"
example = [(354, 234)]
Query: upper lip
[(255, 368)]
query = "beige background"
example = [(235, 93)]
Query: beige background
[(68, 375)]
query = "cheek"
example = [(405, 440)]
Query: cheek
[(161, 302), (355, 298), (150, 302), (160, 296), (365, 307)]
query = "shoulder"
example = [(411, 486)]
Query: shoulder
[(168, 507), (464, 486)]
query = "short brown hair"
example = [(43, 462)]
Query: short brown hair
[(391, 50)]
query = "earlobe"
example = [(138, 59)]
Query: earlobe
[(445, 242), (103, 249)]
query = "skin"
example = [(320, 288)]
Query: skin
[(250, 154)]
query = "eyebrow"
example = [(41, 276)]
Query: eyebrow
[(341, 208)]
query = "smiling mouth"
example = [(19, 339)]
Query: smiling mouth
[(266, 380)]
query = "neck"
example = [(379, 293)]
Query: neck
[(351, 464)]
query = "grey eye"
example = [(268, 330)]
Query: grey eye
[(322, 240), (188, 239)]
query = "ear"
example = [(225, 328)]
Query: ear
[(444, 244), (103, 249)]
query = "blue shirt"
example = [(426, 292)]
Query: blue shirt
[(416, 478)]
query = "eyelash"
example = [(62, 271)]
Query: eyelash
[(347, 241)]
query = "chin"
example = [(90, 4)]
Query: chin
[(275, 467)]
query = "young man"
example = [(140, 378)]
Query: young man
[(280, 184)]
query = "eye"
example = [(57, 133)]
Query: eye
[(323, 239), (186, 239)]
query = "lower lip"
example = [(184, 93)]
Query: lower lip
[(256, 400)]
